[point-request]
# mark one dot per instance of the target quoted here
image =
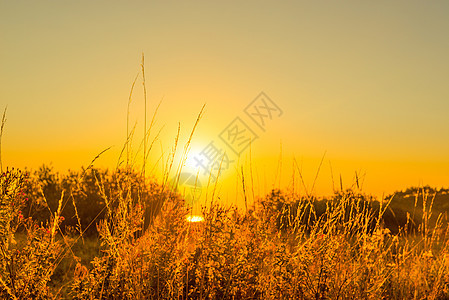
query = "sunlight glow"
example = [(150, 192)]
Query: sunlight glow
[(195, 219)]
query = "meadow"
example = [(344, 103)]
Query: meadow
[(99, 234)]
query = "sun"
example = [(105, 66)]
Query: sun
[(195, 162)]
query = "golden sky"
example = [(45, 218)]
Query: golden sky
[(364, 83)]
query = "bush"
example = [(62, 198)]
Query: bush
[(26, 268)]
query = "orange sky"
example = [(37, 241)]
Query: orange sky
[(365, 83)]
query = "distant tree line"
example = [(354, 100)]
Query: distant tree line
[(85, 194), (400, 211)]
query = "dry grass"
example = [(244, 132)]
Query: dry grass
[(281, 248)]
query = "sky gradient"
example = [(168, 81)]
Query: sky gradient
[(363, 83)]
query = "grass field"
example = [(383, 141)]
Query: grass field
[(111, 235)]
